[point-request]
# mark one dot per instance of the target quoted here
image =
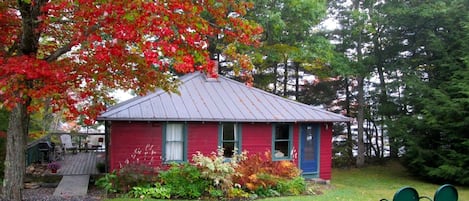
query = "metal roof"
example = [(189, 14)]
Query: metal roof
[(220, 99)]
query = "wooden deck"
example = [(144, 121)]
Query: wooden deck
[(80, 163)]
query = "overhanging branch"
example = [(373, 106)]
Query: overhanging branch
[(66, 48), (59, 52)]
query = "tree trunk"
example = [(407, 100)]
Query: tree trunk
[(360, 120), (285, 76), (275, 78), (297, 80), (349, 125), (15, 157), (18, 123)]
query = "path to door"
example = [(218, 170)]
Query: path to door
[(76, 170), (73, 185)]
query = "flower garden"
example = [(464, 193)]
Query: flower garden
[(242, 177)]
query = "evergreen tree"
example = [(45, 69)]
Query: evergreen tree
[(433, 57)]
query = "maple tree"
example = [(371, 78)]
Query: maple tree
[(70, 53)]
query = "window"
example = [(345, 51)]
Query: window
[(282, 137), (174, 142), (229, 138)]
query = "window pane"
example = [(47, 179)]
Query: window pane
[(174, 132), (282, 141), (309, 144), (281, 149), (174, 151), (282, 132), (174, 145), (229, 138), (228, 149), (228, 132)]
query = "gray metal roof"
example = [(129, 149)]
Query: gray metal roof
[(222, 99)]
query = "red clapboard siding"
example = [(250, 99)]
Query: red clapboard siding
[(256, 137), (132, 140), (326, 151), (296, 143), (202, 137)]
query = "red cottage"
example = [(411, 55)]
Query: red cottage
[(219, 112)]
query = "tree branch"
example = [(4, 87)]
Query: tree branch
[(67, 47), (59, 52)]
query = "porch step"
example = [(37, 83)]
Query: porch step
[(73, 185), (319, 181)]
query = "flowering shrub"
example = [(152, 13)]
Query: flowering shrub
[(214, 176), (135, 174), (137, 170), (141, 155), (217, 168)]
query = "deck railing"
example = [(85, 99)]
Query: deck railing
[(83, 141)]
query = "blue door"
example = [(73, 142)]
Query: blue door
[(309, 149)]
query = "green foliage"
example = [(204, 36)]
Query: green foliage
[(237, 193), (266, 192), (156, 191), (101, 167), (215, 192), (340, 154), (4, 119), (433, 128), (108, 182), (295, 186), (184, 181)]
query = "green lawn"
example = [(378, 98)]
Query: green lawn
[(368, 184)]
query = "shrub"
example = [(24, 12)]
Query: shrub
[(108, 182), (101, 167), (259, 171), (295, 186), (137, 169), (135, 174), (217, 168), (184, 181), (237, 193), (266, 192), (122, 180), (156, 191)]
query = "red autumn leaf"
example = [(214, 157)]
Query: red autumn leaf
[(84, 47)]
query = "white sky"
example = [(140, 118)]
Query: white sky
[(122, 95)]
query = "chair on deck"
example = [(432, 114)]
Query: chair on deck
[(407, 194), (67, 143), (446, 192)]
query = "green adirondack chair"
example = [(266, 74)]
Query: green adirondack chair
[(407, 194), (446, 192)]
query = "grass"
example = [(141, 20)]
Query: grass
[(367, 184)]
